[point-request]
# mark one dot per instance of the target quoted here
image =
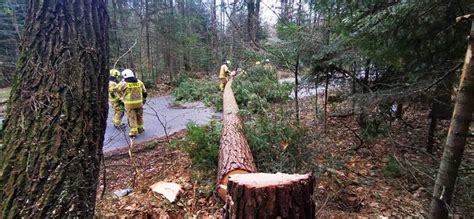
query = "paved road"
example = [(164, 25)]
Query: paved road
[(307, 90), (174, 119)]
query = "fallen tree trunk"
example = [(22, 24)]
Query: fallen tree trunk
[(234, 153), (256, 195), (264, 195)]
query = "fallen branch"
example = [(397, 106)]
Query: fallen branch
[(129, 49), (357, 136), (343, 115), (161, 122), (104, 178), (389, 132), (132, 160)]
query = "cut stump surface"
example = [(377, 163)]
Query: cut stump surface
[(265, 195)]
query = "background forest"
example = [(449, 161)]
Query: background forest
[(372, 89)]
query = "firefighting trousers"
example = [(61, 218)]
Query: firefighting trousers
[(119, 110), (222, 84), (135, 120)]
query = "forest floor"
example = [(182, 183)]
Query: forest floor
[(356, 175)]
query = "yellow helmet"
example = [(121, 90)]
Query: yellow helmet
[(257, 63), (114, 73)]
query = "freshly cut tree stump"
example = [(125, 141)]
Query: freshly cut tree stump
[(265, 195), (234, 152)]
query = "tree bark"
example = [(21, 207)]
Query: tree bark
[(326, 102), (297, 106), (431, 135), (256, 195), (147, 36), (15, 23), (214, 37), (234, 152), (114, 27), (263, 195), (253, 9), (54, 127), (362, 120), (284, 14), (441, 108), (456, 140)]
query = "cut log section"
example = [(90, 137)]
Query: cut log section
[(234, 152), (265, 195)]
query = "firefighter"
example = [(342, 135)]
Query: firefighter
[(223, 73), (267, 65), (133, 94), (114, 99)]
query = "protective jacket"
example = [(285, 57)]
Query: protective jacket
[(133, 92), (113, 96), (223, 72)]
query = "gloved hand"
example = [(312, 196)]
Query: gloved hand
[(121, 103), (144, 101)]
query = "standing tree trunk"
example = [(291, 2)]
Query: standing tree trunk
[(362, 120), (15, 23), (441, 108), (114, 27), (250, 19), (284, 13), (214, 37), (456, 140), (54, 127), (147, 36), (326, 102), (297, 106), (316, 85)]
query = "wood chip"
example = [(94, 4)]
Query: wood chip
[(169, 190)]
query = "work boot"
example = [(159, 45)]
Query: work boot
[(140, 130), (120, 127)]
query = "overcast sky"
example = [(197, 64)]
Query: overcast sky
[(268, 9)]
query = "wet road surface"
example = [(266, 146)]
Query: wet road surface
[(173, 118)]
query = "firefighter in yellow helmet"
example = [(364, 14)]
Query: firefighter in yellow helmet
[(223, 74), (133, 93), (114, 99)]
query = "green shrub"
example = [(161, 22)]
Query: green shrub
[(257, 88), (214, 99), (371, 127), (191, 89), (253, 90), (267, 138), (149, 83), (201, 143), (183, 76), (391, 169)]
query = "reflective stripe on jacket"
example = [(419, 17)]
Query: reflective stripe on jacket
[(132, 93)]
